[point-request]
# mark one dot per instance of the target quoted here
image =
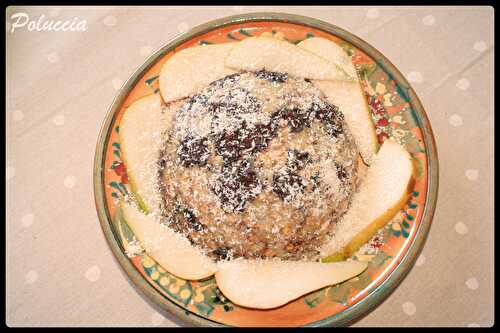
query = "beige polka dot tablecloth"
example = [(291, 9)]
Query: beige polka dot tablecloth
[(60, 270)]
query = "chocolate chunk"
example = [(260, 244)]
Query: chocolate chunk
[(326, 111), (221, 252), (288, 185), (297, 119), (190, 217), (271, 76), (331, 118), (256, 138), (236, 101), (193, 150), (297, 159), (334, 129), (227, 145), (230, 79), (237, 184)]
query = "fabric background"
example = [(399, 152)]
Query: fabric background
[(60, 270)]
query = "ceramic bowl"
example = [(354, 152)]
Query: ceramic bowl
[(396, 113)]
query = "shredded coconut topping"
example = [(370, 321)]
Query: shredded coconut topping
[(258, 165)]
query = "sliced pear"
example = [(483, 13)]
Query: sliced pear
[(351, 101), (191, 69), (348, 96), (330, 51), (267, 284), (384, 190), (141, 129), (170, 249), (272, 54)]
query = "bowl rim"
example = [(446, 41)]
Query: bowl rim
[(373, 298)]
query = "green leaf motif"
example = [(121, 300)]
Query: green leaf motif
[(245, 32), (124, 189), (204, 308), (340, 293), (116, 187), (381, 257), (151, 79), (312, 300)]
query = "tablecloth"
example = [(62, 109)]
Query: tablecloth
[(59, 268)]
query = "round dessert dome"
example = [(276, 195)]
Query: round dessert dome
[(258, 165)]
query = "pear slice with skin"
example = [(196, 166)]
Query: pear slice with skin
[(273, 54), (141, 130), (191, 69), (384, 190), (351, 101), (170, 249), (348, 96), (267, 284), (330, 51)]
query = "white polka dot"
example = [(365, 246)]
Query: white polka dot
[(58, 120), (70, 181), (117, 83), (17, 115), (53, 57), (54, 12), (109, 21), (415, 77), (409, 308), (473, 325), (10, 172), (455, 120), (372, 13), (146, 50), (428, 20), (157, 319), (461, 228), (183, 27), (480, 46), (93, 273), (472, 283), (463, 84), (27, 220), (238, 8), (420, 260), (31, 277), (472, 174)]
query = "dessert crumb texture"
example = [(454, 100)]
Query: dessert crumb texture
[(257, 165)]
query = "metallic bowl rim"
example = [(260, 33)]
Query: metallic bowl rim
[(386, 287)]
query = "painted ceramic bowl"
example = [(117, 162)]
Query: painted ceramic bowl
[(396, 113)]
